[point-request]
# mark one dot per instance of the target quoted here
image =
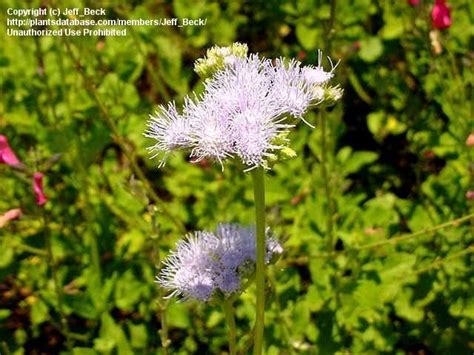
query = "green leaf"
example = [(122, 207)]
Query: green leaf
[(315, 298), (82, 305), (301, 316), (375, 123), (6, 254), (138, 336), (397, 266), (178, 315), (379, 211), (118, 93), (128, 290), (112, 337), (39, 312), (370, 49), (83, 351), (357, 160), (367, 295), (170, 63), (4, 313), (463, 307), (307, 35), (405, 307), (393, 27), (419, 218)]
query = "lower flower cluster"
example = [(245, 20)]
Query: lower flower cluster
[(208, 264)]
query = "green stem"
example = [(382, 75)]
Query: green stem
[(228, 308), (302, 260), (162, 303), (152, 71), (29, 249), (330, 31), (280, 318), (327, 188), (440, 262), (470, 204), (95, 256), (259, 195), (396, 240), (57, 287), (92, 237), (163, 332)]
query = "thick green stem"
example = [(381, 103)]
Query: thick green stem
[(229, 317), (259, 195), (327, 188), (163, 332)]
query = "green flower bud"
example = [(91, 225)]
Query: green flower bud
[(218, 57)]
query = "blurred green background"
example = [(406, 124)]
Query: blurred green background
[(394, 154)]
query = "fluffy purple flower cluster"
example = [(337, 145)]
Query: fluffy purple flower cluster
[(242, 112), (206, 263)]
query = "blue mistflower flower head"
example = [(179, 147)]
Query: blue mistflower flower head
[(244, 111), (206, 264)]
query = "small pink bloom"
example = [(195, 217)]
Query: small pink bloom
[(7, 156), (414, 2), (429, 154), (41, 198), (9, 216), (470, 140), (302, 55), (441, 15), (470, 195)]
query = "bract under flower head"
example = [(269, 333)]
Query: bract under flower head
[(218, 57), (205, 264)]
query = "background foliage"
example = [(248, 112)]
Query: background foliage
[(394, 155)]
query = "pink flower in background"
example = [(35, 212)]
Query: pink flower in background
[(441, 15), (9, 216), (414, 2), (470, 195), (470, 140), (41, 198), (7, 156)]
